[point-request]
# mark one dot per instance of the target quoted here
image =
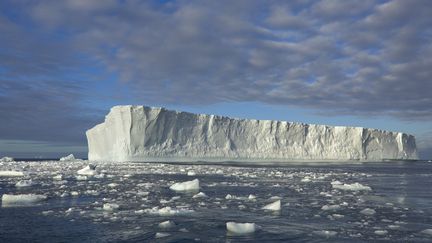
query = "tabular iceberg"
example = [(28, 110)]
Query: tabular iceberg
[(140, 133)]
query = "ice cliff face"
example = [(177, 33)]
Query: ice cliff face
[(140, 133)]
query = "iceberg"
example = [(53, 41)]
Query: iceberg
[(141, 133)]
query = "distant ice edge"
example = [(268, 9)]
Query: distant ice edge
[(140, 133)]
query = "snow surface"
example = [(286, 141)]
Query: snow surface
[(186, 186), (140, 133), (240, 228)]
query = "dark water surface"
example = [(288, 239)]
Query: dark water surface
[(397, 197)]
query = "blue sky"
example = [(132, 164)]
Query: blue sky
[(63, 64)]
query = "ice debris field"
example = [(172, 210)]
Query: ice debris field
[(74, 200)]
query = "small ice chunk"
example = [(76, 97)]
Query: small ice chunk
[(330, 207), (166, 224), (58, 177), (240, 228), (112, 185), (351, 187), (166, 211), (81, 178), (74, 193), (251, 197), (380, 232), (24, 183), (392, 226), (142, 194), (274, 206), (325, 233), (427, 232), (338, 216), (70, 157), (186, 186), (110, 206), (11, 173), (191, 173), (89, 170), (200, 195), (7, 159), (161, 235), (22, 199), (368, 211)]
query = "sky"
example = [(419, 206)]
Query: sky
[(63, 64)]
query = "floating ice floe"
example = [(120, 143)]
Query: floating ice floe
[(330, 207), (251, 197), (7, 159), (325, 233), (427, 232), (81, 178), (161, 235), (11, 173), (274, 206), (70, 157), (166, 211), (350, 187), (200, 195), (191, 173), (58, 177), (381, 232), (24, 183), (166, 224), (186, 186), (89, 170), (22, 199), (240, 228), (368, 211), (110, 206)]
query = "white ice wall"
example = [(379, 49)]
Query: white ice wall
[(139, 133)]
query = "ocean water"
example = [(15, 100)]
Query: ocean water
[(321, 202)]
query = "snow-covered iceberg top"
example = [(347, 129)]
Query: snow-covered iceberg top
[(140, 133)]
